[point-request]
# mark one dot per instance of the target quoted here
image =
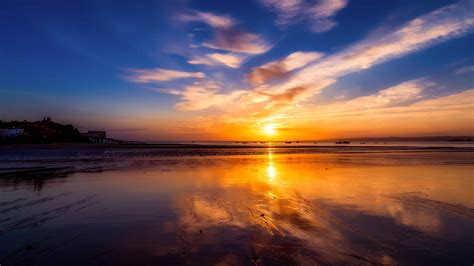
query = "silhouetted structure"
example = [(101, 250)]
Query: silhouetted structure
[(44, 131), (11, 132), (100, 137), (95, 134)]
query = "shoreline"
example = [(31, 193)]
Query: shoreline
[(198, 149)]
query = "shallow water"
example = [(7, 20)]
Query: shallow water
[(137, 208)]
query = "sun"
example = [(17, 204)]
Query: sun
[(269, 129)]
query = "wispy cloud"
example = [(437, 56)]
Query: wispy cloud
[(202, 95), (236, 40), (287, 10), (392, 111), (440, 25), (323, 12), (159, 74), (227, 36), (464, 70), (230, 60), (304, 74), (216, 21), (403, 94), (455, 102), (319, 14), (281, 69)]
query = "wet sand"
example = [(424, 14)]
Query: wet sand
[(66, 205)]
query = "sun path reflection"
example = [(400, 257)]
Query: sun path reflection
[(276, 209), (271, 168), (265, 201)]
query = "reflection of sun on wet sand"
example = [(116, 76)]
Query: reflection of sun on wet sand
[(380, 208), (270, 210)]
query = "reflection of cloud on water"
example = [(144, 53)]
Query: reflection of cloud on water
[(268, 220), (282, 217), (427, 220)]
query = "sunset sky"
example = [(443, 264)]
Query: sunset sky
[(235, 70)]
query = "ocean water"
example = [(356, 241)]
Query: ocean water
[(326, 143), (237, 206)]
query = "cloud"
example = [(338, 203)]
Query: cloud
[(287, 9), (202, 60), (406, 108), (328, 8), (281, 69), (216, 21), (202, 95), (236, 40), (322, 13), (227, 59), (464, 70), (318, 14), (442, 24), (306, 77), (402, 94), (230, 60), (398, 111), (159, 74), (227, 36)]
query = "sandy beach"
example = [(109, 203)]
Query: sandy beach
[(225, 206)]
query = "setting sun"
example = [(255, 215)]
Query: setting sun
[(269, 129)]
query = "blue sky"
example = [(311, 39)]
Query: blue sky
[(200, 69)]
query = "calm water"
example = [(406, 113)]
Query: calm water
[(201, 207), (293, 143)]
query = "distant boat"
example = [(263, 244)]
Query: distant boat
[(343, 142), (263, 142), (244, 142), (288, 142), (297, 141), (236, 142)]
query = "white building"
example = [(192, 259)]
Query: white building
[(11, 132)]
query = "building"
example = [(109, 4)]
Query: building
[(11, 132)]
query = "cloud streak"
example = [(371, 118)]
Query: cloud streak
[(284, 85), (319, 14), (235, 40), (227, 36), (464, 70), (202, 95), (160, 74), (231, 60), (440, 25), (216, 21), (281, 69), (323, 12)]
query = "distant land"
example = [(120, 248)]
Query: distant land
[(427, 138), (39, 132), (47, 131)]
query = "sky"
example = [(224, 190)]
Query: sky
[(240, 70)]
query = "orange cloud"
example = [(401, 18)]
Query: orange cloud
[(236, 40), (281, 69)]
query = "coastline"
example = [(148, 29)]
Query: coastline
[(224, 146)]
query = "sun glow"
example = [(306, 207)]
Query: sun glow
[(269, 129)]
